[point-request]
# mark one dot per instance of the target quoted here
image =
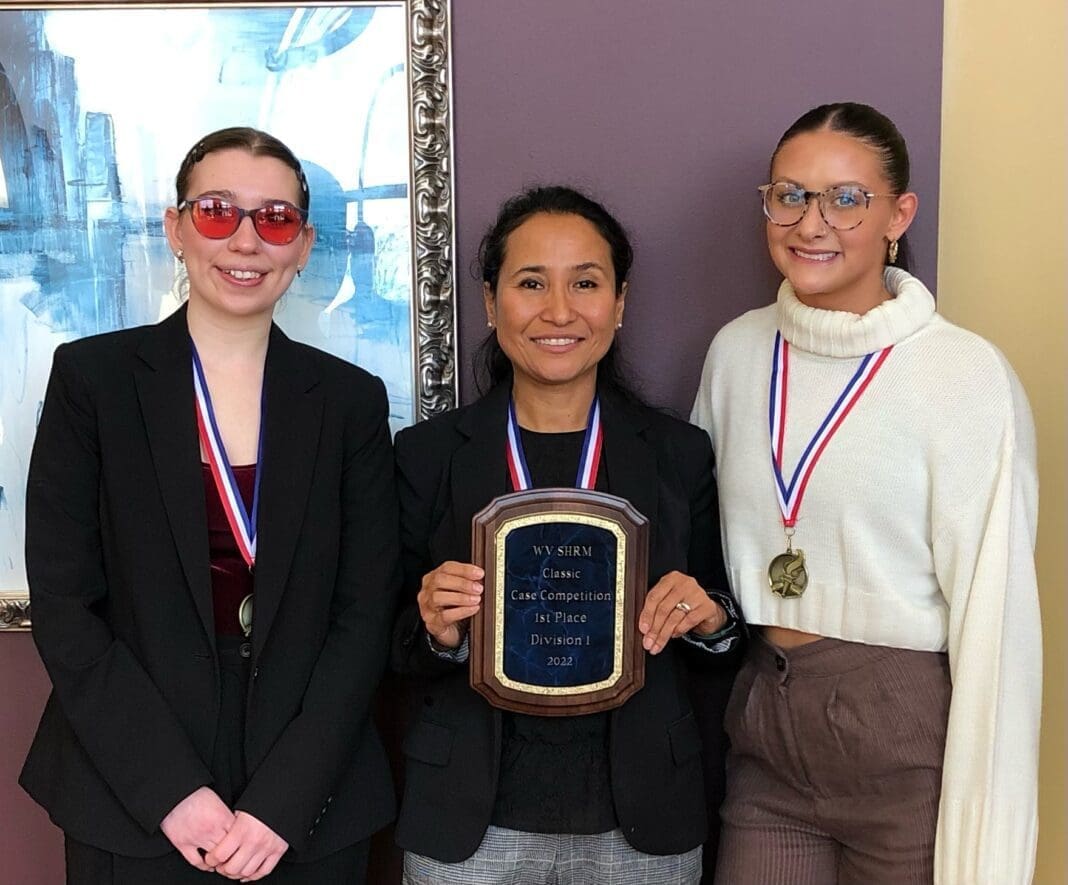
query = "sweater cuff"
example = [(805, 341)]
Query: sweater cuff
[(985, 842)]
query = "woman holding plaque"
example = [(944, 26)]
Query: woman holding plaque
[(610, 797), (878, 468), (212, 556)]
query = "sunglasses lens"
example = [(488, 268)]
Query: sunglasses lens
[(278, 223), (215, 219)]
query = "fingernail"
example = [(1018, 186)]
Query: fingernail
[(647, 643), (478, 588), (644, 626)]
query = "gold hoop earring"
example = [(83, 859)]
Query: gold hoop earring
[(891, 252)]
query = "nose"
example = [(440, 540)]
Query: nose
[(812, 223), (557, 309), (245, 238)]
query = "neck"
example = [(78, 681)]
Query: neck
[(553, 408), (223, 338), (860, 299)]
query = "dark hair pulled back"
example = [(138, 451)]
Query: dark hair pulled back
[(491, 364), (876, 130), (254, 141)]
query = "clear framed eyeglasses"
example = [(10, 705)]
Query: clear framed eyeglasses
[(843, 206)]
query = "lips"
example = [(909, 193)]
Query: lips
[(557, 342), (807, 255)]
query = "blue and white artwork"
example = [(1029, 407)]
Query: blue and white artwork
[(97, 108)]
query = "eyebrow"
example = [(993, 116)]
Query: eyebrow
[(541, 268), (231, 197), (803, 187)]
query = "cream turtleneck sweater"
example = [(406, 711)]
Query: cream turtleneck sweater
[(918, 528)]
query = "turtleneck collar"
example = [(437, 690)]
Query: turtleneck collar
[(839, 333)]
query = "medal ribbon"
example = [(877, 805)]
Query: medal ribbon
[(242, 524), (589, 461), (790, 495)]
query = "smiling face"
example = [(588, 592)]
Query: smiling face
[(832, 269), (556, 307), (241, 275)]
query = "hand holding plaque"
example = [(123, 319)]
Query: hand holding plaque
[(565, 578)]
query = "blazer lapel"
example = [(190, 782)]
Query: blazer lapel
[(165, 390), (292, 422), (630, 460), (479, 467)]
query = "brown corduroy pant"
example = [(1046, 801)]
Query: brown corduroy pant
[(835, 767)]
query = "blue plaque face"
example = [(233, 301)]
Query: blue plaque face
[(560, 617)]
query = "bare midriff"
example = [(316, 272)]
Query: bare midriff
[(784, 637)]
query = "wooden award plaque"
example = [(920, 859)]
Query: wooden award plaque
[(566, 576)]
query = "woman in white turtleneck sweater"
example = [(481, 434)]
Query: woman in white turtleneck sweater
[(879, 495)]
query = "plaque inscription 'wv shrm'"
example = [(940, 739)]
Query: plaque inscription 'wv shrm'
[(566, 573)]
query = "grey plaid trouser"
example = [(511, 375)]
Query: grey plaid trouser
[(510, 857)]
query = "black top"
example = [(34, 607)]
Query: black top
[(554, 775)]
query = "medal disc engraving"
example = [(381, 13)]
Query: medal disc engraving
[(787, 574), (244, 615)]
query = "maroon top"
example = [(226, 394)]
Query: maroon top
[(231, 581)]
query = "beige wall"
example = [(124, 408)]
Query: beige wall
[(1002, 272)]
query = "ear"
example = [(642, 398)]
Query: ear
[(621, 300), (904, 211), (172, 226), (490, 301), (309, 240)]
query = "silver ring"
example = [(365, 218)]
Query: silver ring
[(683, 607)]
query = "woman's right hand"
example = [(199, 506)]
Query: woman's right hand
[(200, 821), (449, 596)]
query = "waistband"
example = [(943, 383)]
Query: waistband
[(829, 657)]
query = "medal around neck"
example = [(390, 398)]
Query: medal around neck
[(566, 573), (787, 573)]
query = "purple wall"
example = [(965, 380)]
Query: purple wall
[(667, 110)]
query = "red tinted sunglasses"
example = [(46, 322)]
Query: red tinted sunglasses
[(276, 222)]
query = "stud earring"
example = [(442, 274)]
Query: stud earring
[(619, 325), (891, 253), (489, 324), (180, 255), (299, 269)]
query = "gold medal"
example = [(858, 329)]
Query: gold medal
[(244, 615), (787, 574)]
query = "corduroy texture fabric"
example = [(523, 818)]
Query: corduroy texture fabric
[(835, 767)]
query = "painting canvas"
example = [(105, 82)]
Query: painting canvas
[(99, 104)]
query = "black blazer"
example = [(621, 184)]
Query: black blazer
[(120, 587), (448, 469)]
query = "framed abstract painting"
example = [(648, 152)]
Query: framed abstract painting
[(98, 105)]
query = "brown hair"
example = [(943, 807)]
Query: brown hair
[(255, 141)]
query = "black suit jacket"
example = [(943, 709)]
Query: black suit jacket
[(119, 574), (448, 469)]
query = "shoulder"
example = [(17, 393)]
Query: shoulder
[(962, 369), (677, 442), (103, 349), (336, 372), (746, 330)]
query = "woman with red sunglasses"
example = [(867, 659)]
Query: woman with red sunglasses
[(212, 557)]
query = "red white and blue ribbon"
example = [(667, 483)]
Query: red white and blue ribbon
[(242, 523), (790, 494), (589, 462)]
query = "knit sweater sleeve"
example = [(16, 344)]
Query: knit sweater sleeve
[(984, 511)]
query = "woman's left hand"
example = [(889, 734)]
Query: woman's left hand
[(250, 851), (677, 605)]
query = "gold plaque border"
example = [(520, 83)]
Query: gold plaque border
[(500, 538)]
